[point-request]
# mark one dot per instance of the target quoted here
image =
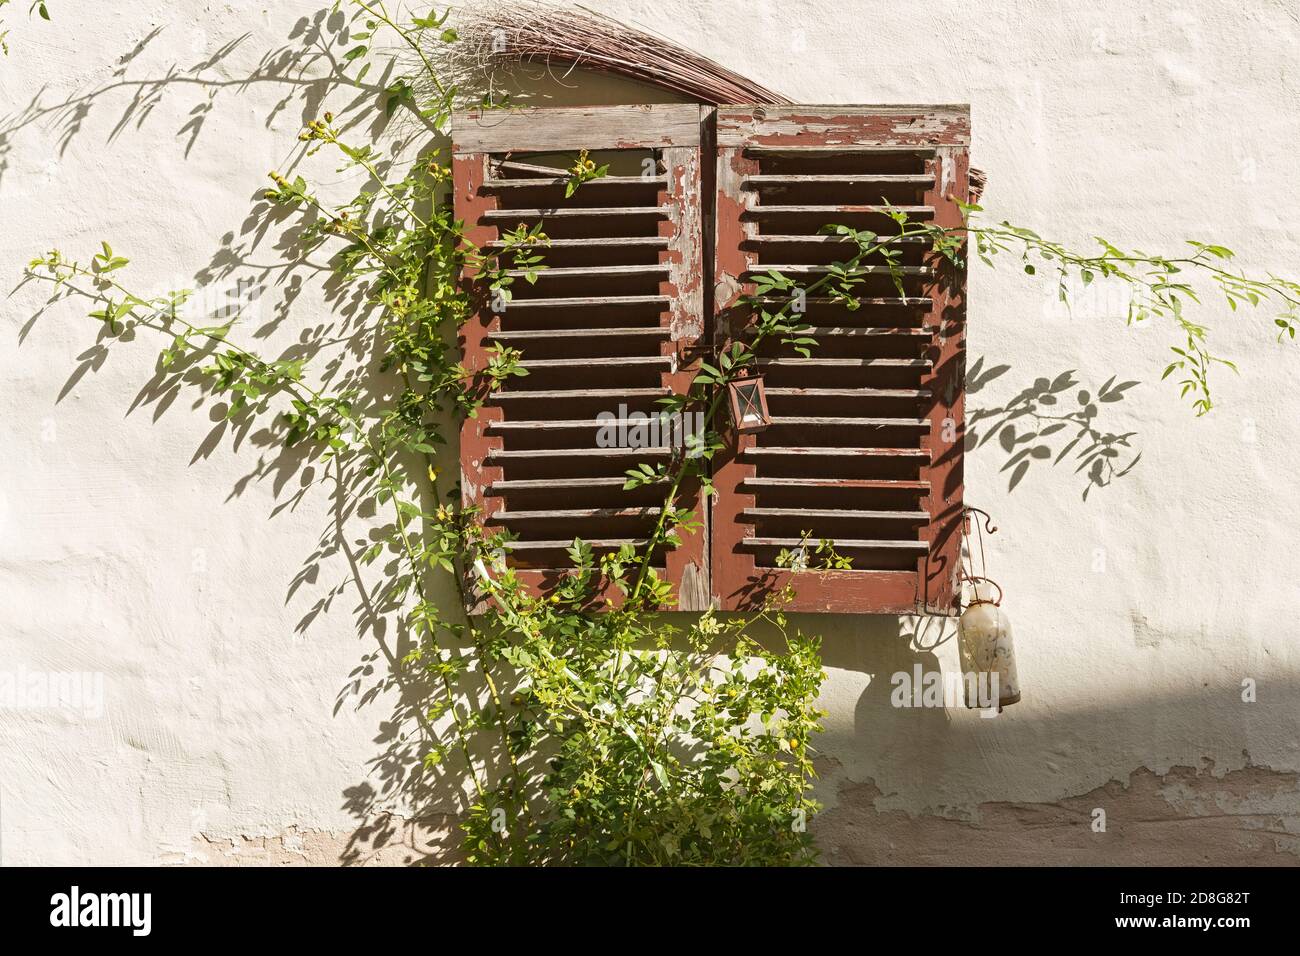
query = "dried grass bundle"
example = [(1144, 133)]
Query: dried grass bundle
[(504, 34)]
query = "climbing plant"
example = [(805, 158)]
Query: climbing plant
[(569, 733), (38, 7)]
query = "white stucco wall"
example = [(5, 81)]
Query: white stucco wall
[(134, 545)]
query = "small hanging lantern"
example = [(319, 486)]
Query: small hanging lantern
[(748, 404), (987, 651)]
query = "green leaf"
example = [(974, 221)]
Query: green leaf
[(660, 773)]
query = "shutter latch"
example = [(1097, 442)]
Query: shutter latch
[(687, 354)]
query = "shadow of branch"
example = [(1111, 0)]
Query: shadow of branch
[(1050, 422)]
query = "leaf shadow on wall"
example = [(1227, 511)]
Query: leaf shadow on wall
[(406, 802), (1052, 421), (252, 281), (309, 66)]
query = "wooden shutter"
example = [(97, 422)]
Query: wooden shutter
[(865, 447), (605, 325)]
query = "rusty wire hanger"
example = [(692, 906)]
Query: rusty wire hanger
[(968, 558)]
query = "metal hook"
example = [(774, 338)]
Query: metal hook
[(988, 520), (969, 558)]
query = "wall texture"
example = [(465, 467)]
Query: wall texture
[(226, 711)]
